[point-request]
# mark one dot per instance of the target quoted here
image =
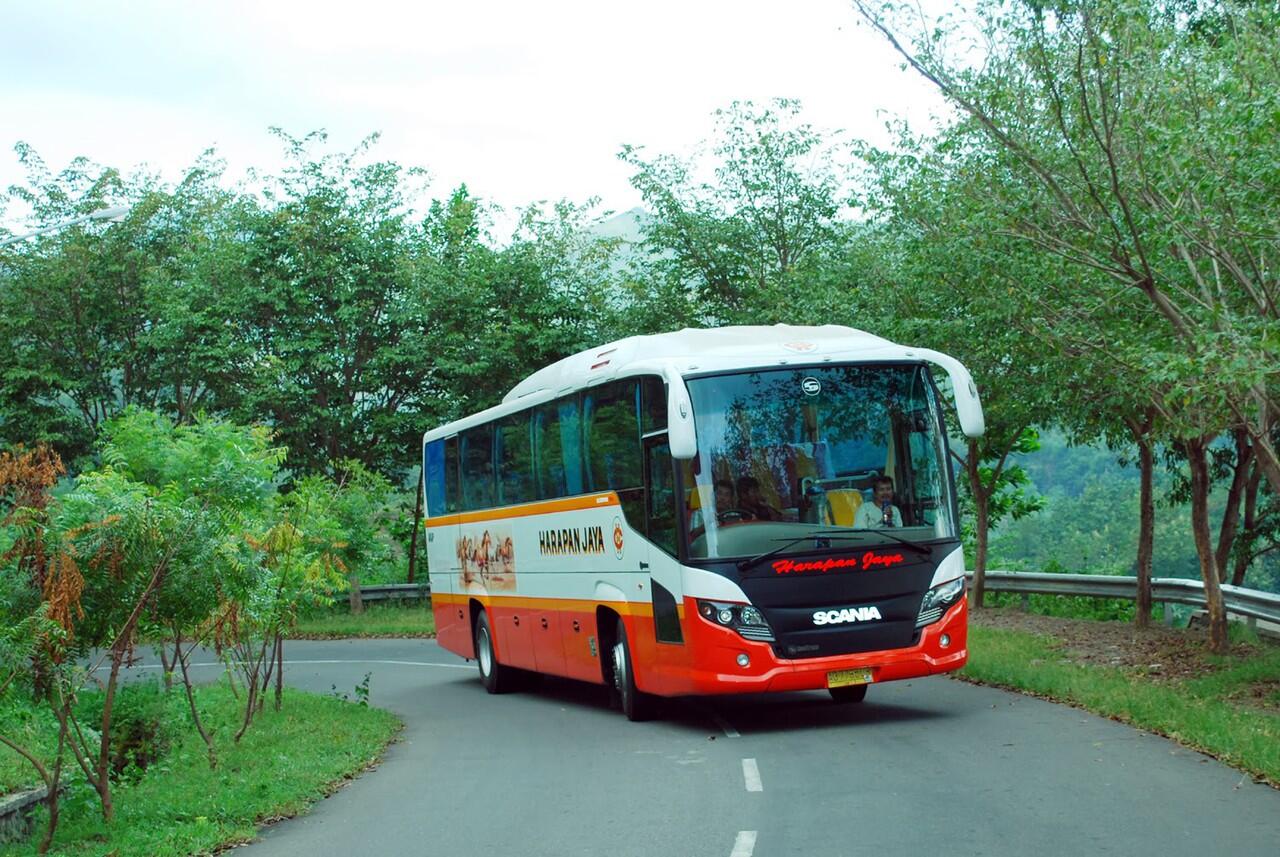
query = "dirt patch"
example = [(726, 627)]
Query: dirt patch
[(1263, 695), (1162, 653)]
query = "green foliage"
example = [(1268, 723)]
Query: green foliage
[(377, 620), (291, 759), (1067, 606), (145, 721), (741, 238)]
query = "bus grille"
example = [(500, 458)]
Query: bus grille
[(756, 632), (928, 617)]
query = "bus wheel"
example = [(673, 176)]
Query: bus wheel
[(852, 693), (635, 704), (495, 677)]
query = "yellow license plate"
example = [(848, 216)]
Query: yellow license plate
[(844, 678)]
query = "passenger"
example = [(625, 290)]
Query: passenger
[(724, 504), (880, 512), (750, 501)]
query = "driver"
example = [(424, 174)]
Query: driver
[(880, 512)]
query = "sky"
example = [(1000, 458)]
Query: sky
[(522, 101)]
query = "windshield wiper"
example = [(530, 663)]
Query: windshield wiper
[(914, 545), (745, 564)]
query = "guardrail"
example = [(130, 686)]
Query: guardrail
[(1249, 603), (396, 592)]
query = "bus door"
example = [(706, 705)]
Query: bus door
[(440, 484), (665, 579)]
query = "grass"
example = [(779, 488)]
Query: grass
[(34, 729), (1218, 714), (178, 806), (378, 620)]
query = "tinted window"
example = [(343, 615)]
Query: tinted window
[(478, 484), (662, 492), (613, 437), (433, 477), (653, 403), (515, 460), (557, 439), (452, 490)]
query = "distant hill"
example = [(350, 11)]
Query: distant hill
[(628, 226)]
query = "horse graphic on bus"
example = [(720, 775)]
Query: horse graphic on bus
[(487, 560)]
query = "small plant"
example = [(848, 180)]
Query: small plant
[(362, 690)]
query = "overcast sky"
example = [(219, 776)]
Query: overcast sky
[(521, 100)]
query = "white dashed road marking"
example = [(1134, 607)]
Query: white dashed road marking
[(751, 774), (744, 844)]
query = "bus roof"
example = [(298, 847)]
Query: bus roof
[(688, 351), (707, 349)]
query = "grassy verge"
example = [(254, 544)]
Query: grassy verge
[(1226, 714), (378, 620), (178, 806)]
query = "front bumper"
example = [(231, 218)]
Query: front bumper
[(715, 650)]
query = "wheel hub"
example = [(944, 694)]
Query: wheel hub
[(485, 652)]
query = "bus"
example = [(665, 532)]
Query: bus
[(707, 511)]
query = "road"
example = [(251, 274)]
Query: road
[(934, 765)]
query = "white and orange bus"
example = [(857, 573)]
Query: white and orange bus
[(706, 511)]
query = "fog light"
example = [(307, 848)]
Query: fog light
[(944, 640), (743, 660)]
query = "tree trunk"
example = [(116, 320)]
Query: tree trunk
[(167, 664), (1250, 526), (53, 801), (103, 783), (1235, 495), (279, 670), (415, 529), (1200, 485), (353, 596), (1146, 529), (191, 701), (981, 502)]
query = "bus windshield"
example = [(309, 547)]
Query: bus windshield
[(856, 450)]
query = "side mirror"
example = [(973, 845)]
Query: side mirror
[(968, 406), (680, 432)]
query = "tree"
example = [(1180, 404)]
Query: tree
[(1172, 209), (93, 319), (733, 241)]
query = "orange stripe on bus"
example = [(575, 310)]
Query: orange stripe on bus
[(544, 507), (571, 605)]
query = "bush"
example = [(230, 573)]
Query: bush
[(145, 721)]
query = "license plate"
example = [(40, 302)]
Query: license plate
[(844, 678)]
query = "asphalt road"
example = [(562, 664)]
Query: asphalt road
[(925, 766)]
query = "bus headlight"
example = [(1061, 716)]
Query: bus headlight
[(937, 600), (743, 618)]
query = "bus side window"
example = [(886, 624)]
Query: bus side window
[(478, 483), (613, 437), (452, 492), (653, 404), (433, 478), (570, 411), (549, 452), (515, 460)]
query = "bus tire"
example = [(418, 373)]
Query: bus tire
[(848, 695), (636, 704), (495, 677)]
